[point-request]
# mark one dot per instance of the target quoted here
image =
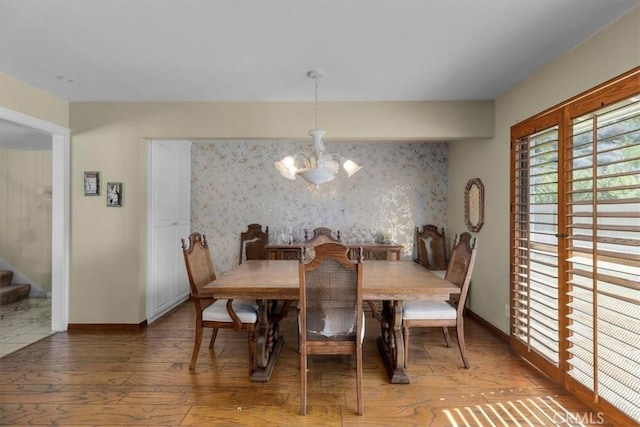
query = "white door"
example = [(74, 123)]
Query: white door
[(169, 221), (181, 215)]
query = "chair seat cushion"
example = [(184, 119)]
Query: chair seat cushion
[(428, 310), (246, 310)]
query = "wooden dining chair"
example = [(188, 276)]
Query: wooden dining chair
[(321, 235), (214, 313), (445, 313), (253, 242), (331, 318), (432, 248)]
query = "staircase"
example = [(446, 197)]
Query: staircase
[(11, 292)]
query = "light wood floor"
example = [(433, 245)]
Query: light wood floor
[(139, 378)]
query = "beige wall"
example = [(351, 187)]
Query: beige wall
[(613, 51), (108, 261), (25, 215), (26, 99)]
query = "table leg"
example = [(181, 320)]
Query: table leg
[(391, 344), (268, 341)]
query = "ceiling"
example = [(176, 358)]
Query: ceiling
[(206, 50)]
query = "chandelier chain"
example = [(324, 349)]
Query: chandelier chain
[(316, 79)]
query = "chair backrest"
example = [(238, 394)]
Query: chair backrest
[(432, 249), (330, 295), (253, 242), (197, 259), (460, 268), (320, 235)]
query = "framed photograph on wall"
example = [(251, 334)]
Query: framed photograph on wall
[(114, 194), (91, 183)]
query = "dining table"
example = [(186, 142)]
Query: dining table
[(274, 284)]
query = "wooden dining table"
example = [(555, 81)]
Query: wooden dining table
[(275, 284)]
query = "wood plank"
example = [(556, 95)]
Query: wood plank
[(88, 414), (122, 378)]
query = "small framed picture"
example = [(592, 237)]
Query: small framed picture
[(91, 183), (114, 194)]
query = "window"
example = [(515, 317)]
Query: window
[(575, 245)]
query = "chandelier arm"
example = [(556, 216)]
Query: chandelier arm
[(305, 159), (318, 154)]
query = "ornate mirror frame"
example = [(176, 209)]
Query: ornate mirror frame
[(474, 205)]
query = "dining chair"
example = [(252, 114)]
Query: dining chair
[(445, 313), (432, 248), (253, 242), (210, 312), (331, 319), (321, 235)]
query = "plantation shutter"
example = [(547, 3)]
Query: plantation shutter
[(603, 255), (535, 302), (575, 245), (534, 275)]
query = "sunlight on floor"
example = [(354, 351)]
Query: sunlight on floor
[(540, 411)]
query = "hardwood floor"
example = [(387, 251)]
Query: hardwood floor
[(136, 378)]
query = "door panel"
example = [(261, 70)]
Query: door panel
[(575, 245), (535, 263)]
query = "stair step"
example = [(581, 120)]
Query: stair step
[(6, 276), (14, 292)]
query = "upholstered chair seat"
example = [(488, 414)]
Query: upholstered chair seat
[(246, 310), (428, 310)]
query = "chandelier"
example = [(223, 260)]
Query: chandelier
[(320, 167)]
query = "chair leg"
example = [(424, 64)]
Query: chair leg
[(405, 339), (359, 387), (460, 334), (196, 345), (252, 351), (214, 334), (299, 331), (303, 383), (445, 332)]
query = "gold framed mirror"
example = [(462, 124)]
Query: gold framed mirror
[(474, 205)]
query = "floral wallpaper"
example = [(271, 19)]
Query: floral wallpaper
[(234, 183)]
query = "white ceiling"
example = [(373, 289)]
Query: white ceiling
[(206, 50)]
